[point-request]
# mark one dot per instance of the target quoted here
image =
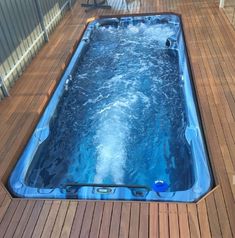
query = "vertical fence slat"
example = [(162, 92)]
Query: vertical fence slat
[(37, 26), (7, 46), (17, 37), (4, 88), (41, 18), (22, 23), (11, 32)]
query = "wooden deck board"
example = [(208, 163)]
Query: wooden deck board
[(193, 221), (4, 207), (210, 40), (38, 229), (28, 232), (69, 220), (173, 220), (106, 220), (7, 217), (24, 219), (134, 220), (153, 220), (213, 217), (183, 221), (60, 220), (125, 220), (16, 219), (78, 219), (144, 220), (222, 214), (115, 220), (87, 220), (203, 220), (97, 217), (163, 220)]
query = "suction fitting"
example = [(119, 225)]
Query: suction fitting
[(160, 186)]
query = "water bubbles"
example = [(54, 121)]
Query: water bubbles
[(121, 120), (133, 29)]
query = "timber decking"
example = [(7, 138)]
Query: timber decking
[(211, 46)]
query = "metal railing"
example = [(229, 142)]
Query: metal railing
[(4, 88), (24, 28)]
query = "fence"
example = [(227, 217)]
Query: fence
[(25, 26), (229, 9)]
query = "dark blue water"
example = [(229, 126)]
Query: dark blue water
[(122, 119)]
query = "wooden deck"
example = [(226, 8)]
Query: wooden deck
[(211, 45)]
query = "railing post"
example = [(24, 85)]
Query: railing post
[(4, 88), (41, 19), (221, 3), (70, 4)]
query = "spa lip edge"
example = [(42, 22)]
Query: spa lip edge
[(31, 147)]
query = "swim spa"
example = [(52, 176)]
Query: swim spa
[(123, 122)]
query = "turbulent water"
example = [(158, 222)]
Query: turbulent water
[(122, 118)]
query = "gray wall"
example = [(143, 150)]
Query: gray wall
[(22, 35)]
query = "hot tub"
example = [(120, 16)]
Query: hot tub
[(123, 122)]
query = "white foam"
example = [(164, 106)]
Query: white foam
[(133, 29), (111, 136), (93, 101)]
